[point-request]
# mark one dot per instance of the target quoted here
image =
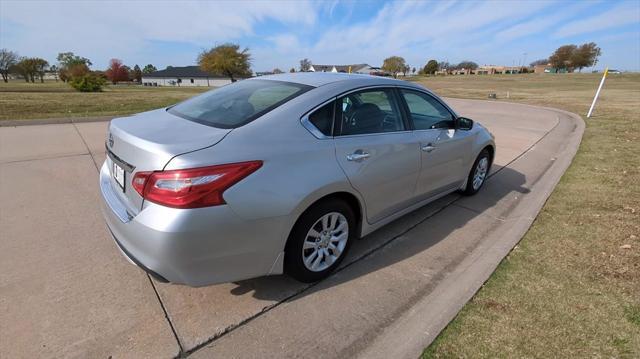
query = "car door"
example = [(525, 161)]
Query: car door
[(375, 149), (444, 149)]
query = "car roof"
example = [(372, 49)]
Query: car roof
[(317, 79)]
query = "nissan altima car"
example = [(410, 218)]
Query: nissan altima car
[(280, 174)]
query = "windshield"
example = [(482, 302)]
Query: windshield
[(239, 103)]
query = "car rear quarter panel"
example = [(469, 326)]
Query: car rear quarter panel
[(298, 168)]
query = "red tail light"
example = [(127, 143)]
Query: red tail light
[(192, 188)]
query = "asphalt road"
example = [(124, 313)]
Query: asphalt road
[(66, 291)]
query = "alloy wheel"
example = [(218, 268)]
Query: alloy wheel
[(325, 241), (480, 173)]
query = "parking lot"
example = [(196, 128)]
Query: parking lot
[(66, 291)]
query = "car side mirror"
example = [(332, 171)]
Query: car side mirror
[(464, 123)]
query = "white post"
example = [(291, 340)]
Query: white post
[(595, 98)]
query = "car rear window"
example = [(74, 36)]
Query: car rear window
[(239, 103)]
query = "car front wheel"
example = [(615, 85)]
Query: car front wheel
[(478, 174), (319, 241)]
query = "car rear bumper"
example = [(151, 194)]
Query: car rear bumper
[(195, 247)]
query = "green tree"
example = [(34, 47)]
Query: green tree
[(292, 70), (394, 64), (277, 71), (54, 70), (40, 66), (136, 74), (8, 59), (90, 82), (226, 59), (562, 57), (70, 64), (149, 69), (30, 67), (585, 55), (305, 65), (431, 67)]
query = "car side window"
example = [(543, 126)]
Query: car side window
[(322, 118), (369, 111), (427, 112)]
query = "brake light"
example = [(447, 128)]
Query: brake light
[(192, 188)]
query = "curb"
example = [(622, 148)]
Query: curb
[(55, 121), (420, 325)]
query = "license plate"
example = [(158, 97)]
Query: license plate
[(118, 175)]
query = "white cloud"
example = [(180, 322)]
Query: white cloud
[(624, 14), (541, 23), (279, 34), (119, 29), (415, 30)]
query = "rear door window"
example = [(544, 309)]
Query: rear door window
[(239, 103)]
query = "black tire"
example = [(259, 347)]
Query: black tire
[(294, 258), (470, 190)]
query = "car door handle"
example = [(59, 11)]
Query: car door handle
[(428, 148), (358, 156)]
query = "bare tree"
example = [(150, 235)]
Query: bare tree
[(305, 65), (7, 60)]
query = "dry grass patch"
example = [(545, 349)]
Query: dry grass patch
[(20, 100), (571, 288)]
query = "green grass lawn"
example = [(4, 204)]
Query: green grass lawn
[(571, 288), (21, 100)]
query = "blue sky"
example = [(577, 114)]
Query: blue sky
[(280, 33)]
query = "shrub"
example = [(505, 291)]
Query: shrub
[(88, 83)]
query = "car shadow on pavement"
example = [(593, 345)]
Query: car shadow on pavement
[(408, 236)]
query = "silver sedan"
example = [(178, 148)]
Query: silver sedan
[(281, 173)]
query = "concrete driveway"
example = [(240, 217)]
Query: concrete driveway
[(66, 291)]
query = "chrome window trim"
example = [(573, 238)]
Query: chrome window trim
[(375, 134), (304, 120)]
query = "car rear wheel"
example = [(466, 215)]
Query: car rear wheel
[(319, 240), (478, 174)]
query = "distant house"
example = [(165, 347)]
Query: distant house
[(541, 69), (493, 69), (548, 69), (355, 68), (183, 76)]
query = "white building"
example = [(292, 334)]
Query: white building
[(183, 76), (355, 69)]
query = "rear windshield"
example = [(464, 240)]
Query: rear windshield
[(239, 103)]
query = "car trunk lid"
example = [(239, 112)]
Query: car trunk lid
[(146, 142)]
